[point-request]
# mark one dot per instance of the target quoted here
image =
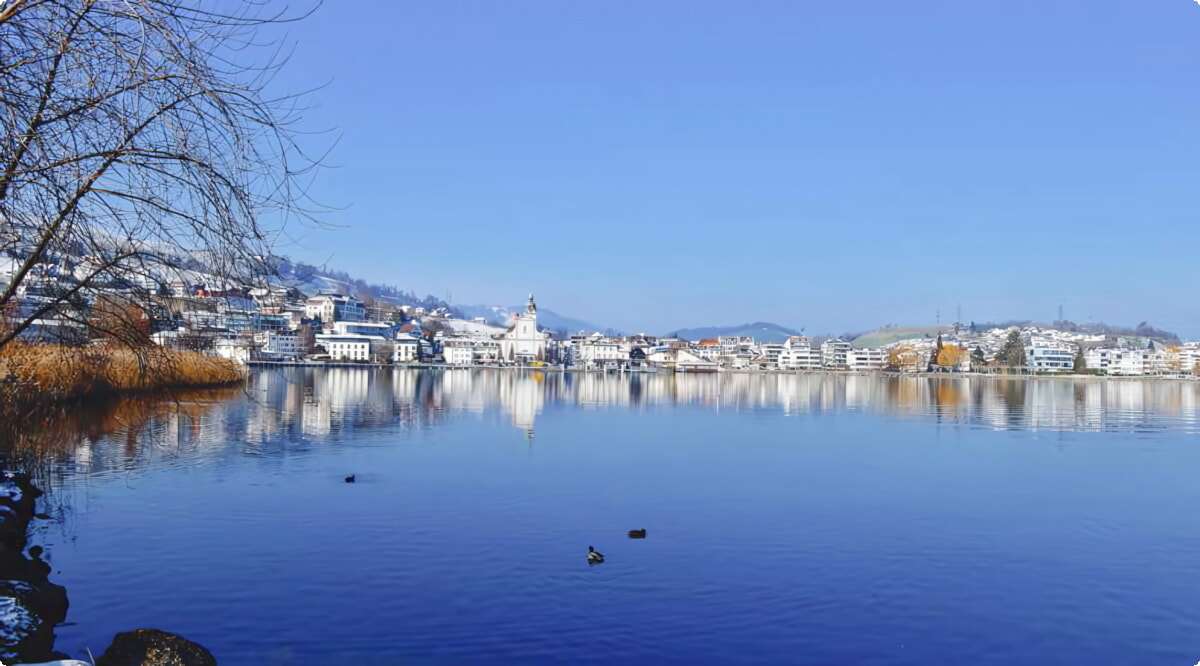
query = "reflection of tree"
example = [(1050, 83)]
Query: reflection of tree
[(947, 393), (285, 406)]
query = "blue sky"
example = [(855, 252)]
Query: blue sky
[(831, 165)]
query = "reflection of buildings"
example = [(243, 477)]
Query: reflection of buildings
[(282, 406)]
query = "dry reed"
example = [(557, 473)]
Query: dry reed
[(51, 373)]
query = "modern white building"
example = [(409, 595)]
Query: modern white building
[(1117, 361), (833, 354), (350, 347), (279, 344), (863, 360), (799, 354), (709, 350), (330, 308), (458, 351), (405, 350), (1050, 357), (770, 353)]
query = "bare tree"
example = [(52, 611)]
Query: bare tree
[(137, 142)]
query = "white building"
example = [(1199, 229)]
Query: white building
[(833, 354), (598, 352), (378, 329), (680, 360), (709, 350), (350, 347), (866, 359), (330, 308), (279, 344), (1117, 361), (522, 342), (405, 350), (799, 354), (1050, 357), (1100, 359), (770, 353), (237, 349), (458, 351), (1131, 362)]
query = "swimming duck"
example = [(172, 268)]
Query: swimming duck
[(594, 557), (637, 534), (350, 479)]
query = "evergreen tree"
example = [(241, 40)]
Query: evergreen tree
[(1013, 352), (977, 357)]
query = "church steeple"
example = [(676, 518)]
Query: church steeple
[(530, 307)]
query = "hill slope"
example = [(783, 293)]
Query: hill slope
[(761, 331), (886, 336)]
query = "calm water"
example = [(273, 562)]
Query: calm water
[(791, 520)]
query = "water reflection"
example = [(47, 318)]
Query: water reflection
[(289, 407)]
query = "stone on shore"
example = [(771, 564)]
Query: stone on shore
[(30, 605), (152, 647)]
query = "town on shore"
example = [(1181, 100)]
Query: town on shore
[(266, 326), (277, 324)]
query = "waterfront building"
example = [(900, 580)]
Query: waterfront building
[(522, 343), (834, 354)]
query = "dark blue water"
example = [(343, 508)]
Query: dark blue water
[(791, 520)]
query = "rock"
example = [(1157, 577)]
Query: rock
[(18, 627), (151, 647), (30, 605)]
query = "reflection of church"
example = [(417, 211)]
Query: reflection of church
[(522, 343)]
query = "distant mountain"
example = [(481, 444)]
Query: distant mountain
[(759, 330), (501, 314)]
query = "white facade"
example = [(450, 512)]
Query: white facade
[(833, 354), (405, 350), (770, 352), (458, 351), (346, 347), (1117, 361), (799, 354), (522, 342), (1100, 359), (279, 343), (362, 328), (1050, 357), (237, 350), (707, 349), (330, 308), (866, 359)]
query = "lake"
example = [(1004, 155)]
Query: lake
[(791, 519)]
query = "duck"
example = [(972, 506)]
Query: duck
[(637, 534), (350, 479), (594, 557)]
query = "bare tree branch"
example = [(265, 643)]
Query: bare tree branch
[(136, 139)]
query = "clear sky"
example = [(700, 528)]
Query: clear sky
[(832, 164)]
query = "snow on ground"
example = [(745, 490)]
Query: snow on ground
[(464, 327)]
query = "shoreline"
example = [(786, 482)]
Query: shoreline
[(558, 369)]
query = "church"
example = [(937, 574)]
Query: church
[(522, 343)]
